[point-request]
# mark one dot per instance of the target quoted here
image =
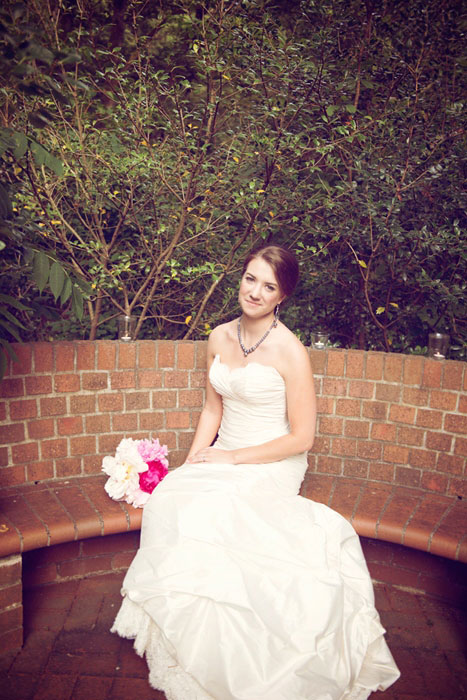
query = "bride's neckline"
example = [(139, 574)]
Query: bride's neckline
[(248, 364)]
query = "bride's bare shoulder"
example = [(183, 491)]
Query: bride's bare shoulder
[(219, 336), (292, 348)]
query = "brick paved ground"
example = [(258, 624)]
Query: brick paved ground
[(69, 653)]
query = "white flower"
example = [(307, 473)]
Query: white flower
[(127, 452), (137, 498)]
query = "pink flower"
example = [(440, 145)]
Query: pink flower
[(157, 469), (152, 450)]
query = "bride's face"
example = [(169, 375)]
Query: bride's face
[(259, 290)]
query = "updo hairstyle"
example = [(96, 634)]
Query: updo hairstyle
[(283, 262)]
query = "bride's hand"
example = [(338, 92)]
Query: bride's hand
[(212, 454)]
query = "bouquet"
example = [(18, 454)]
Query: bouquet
[(135, 471)]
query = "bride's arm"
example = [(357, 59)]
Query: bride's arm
[(211, 415)]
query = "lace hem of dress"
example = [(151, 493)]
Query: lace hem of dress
[(132, 622)]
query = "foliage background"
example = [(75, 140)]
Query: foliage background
[(145, 147)]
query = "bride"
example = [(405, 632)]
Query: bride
[(241, 589)]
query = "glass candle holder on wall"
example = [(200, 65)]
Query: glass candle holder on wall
[(126, 328), (438, 345), (319, 340)]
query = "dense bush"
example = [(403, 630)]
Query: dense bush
[(146, 147)]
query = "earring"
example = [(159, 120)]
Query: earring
[(276, 315)]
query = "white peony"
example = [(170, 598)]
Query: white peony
[(137, 498), (127, 452)]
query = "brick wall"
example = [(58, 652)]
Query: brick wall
[(382, 417)]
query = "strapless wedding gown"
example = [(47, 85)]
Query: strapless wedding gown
[(243, 590)]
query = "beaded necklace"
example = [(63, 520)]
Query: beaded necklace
[(246, 351)]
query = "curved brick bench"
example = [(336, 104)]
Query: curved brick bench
[(34, 517)]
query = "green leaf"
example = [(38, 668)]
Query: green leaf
[(56, 279), (5, 204), (66, 291), (380, 310), (54, 164), (330, 109), (77, 302), (40, 154), (21, 141), (40, 270), (362, 263), (351, 109)]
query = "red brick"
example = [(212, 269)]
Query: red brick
[(344, 446), (324, 404), (43, 357), (168, 438), (110, 402), (165, 353), (176, 378), (85, 355), (185, 439), (11, 595), (348, 407), (393, 364), (388, 392), (149, 379), (426, 459), (4, 456), (3, 411), (83, 567), (369, 450), (55, 406), (356, 468), (97, 424), (11, 387), (417, 397), (451, 464), (395, 453), (92, 464), (201, 354), (402, 414), (330, 426), (38, 429), (66, 382), (383, 431), (336, 363), (413, 370), (334, 387), (82, 404), (11, 571), (456, 424), (318, 361), (321, 445), (445, 400), (123, 421), (195, 416), (137, 400), (381, 472), (198, 379), (82, 445), (438, 441), (106, 354), (71, 425), (434, 482), (11, 641), (11, 619), (460, 446), (374, 409), (458, 487), (27, 452), (14, 432), (123, 380), (355, 363), (12, 476), (432, 372), (70, 466), (54, 448), (122, 560), (23, 409), (23, 365), (178, 419), (452, 377), (462, 403), (374, 365), (185, 355), (126, 356), (94, 381), (361, 388), (38, 471), (190, 397), (408, 476), (38, 385), (429, 419), (155, 420), (329, 465), (410, 436), (356, 428), (64, 357), (345, 496), (147, 354)]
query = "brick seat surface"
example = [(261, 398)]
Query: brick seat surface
[(49, 513)]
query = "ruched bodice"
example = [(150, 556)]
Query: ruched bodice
[(243, 590)]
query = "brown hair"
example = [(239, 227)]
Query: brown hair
[(283, 262)]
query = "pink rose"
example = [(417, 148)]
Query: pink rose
[(155, 473)]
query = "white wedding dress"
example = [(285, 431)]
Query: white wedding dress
[(243, 590)]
